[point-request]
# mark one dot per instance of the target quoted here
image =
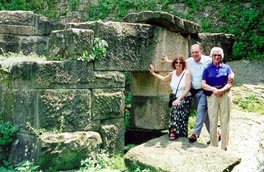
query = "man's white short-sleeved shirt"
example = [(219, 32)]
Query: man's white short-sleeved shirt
[(196, 69)]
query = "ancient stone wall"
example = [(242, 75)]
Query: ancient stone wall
[(89, 95)]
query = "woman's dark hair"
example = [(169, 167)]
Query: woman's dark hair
[(179, 58)]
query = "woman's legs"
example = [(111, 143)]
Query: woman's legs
[(179, 117)]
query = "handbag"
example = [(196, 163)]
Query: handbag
[(172, 96)]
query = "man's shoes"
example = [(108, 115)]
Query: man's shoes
[(218, 137), (193, 138)]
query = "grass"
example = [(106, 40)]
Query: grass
[(249, 98)]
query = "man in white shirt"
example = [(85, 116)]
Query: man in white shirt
[(196, 65)]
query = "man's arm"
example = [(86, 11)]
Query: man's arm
[(165, 60), (231, 77)]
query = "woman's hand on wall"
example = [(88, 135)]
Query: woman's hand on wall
[(151, 69)]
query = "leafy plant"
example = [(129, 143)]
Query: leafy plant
[(98, 51), (40, 131), (136, 168), (8, 132), (6, 166), (47, 8), (102, 161), (248, 98), (250, 103), (27, 166), (73, 4)]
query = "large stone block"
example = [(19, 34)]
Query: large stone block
[(112, 132), (17, 30), (70, 42), (64, 151), (248, 72), (170, 44), (17, 18), (25, 147), (150, 113), (26, 23), (71, 106), (59, 109), (37, 44), (9, 43), (107, 104), (144, 84), (25, 44), (19, 106), (149, 108), (52, 74), (107, 79), (61, 74), (162, 155), (132, 47), (67, 74)]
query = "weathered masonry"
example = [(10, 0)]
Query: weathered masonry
[(88, 97)]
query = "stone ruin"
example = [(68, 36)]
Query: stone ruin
[(88, 95)]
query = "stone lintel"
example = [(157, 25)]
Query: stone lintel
[(164, 19)]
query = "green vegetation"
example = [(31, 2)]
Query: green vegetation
[(128, 97), (38, 132), (102, 161), (98, 50), (23, 166), (248, 100), (192, 119), (44, 7), (117, 9), (245, 23), (8, 133), (26, 166)]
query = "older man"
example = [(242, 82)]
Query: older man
[(215, 82)]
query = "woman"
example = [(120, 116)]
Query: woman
[(216, 85), (180, 83)]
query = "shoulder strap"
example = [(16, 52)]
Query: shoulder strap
[(179, 82)]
